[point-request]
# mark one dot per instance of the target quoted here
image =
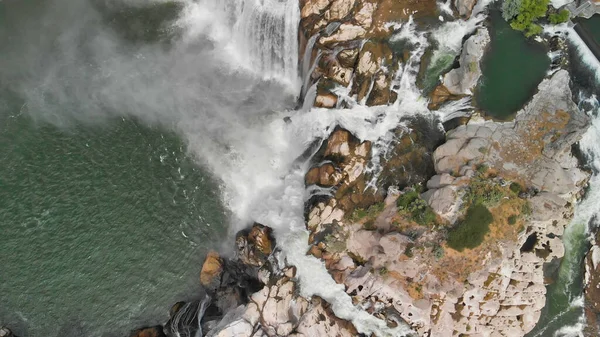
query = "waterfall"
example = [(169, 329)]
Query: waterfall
[(265, 33)]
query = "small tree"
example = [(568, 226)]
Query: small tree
[(560, 17), (528, 13), (510, 9)]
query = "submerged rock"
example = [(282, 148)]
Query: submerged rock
[(5, 332)]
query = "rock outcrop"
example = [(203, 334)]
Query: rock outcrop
[(398, 264), (462, 81), (5, 332), (352, 48), (251, 295)]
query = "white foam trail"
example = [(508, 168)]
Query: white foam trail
[(575, 330), (582, 49), (455, 109), (446, 6)]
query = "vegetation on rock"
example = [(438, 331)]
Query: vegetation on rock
[(372, 211), (559, 17), (523, 14), (411, 203), (472, 230), (485, 192)]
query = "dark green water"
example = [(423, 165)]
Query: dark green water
[(593, 26), (102, 228), (511, 70)]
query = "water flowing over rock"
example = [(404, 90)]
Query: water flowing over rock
[(352, 46), (403, 271), (267, 32), (463, 80)]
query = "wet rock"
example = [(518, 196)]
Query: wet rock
[(255, 246), (212, 269), (326, 100), (592, 288), (440, 95), (156, 331), (5, 332), (324, 175), (465, 7), (462, 80)]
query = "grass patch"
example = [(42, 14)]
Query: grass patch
[(372, 211), (472, 230), (485, 192)]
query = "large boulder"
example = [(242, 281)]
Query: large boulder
[(212, 269), (462, 80), (255, 245)]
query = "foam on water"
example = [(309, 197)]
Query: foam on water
[(584, 52)]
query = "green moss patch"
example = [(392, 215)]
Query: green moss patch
[(472, 230)]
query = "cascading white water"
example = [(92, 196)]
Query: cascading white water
[(587, 57), (264, 33), (448, 38)]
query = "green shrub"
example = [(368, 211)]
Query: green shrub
[(560, 17), (472, 230), (407, 198), (529, 12), (425, 217), (408, 250), (516, 188), (512, 219), (412, 203), (510, 9), (526, 209), (438, 252), (372, 211), (370, 225)]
